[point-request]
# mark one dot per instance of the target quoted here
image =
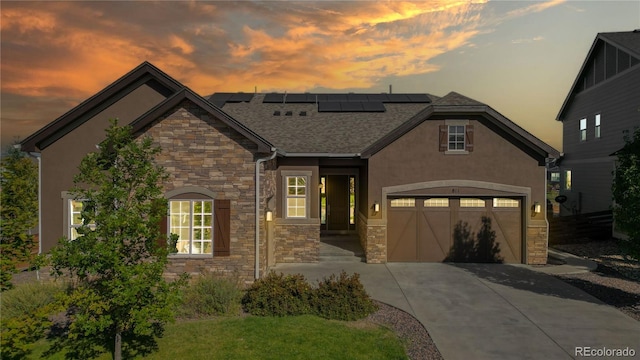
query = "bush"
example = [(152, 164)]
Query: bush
[(26, 298), (342, 298), (212, 294), (278, 295)]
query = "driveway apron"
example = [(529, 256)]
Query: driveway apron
[(492, 311)]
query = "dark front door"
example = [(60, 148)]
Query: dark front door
[(337, 202)]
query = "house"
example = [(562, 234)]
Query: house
[(603, 103), (257, 179)]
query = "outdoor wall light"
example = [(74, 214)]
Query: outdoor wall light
[(537, 208), (376, 207), (269, 215)]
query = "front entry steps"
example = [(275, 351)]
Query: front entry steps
[(341, 248)]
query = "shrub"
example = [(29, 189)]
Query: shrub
[(212, 294), (25, 298), (342, 297), (278, 295)]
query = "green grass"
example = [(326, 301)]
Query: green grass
[(294, 337)]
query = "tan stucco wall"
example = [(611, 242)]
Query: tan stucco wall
[(415, 158), (61, 159)]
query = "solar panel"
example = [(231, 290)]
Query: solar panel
[(373, 107), (336, 97), (398, 98), (329, 107), (240, 97), (351, 106), (357, 97), (273, 98), (377, 97), (296, 98), (419, 98)]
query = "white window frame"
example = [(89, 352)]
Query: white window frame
[(505, 203), (583, 129), (286, 175), (598, 134), (403, 202), (176, 221), (555, 176), (567, 180), (436, 202), (472, 203), (459, 138), (72, 227)]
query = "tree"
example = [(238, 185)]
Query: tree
[(116, 262), (18, 212), (626, 192)]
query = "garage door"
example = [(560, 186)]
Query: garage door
[(454, 229)]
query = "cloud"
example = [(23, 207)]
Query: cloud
[(527, 41)]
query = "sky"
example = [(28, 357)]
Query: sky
[(519, 57)]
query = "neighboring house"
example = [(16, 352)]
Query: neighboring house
[(400, 170), (604, 101)]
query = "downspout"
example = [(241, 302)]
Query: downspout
[(258, 162), (38, 156)]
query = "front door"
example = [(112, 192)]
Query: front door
[(337, 202)]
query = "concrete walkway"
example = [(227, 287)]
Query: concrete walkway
[(491, 311)]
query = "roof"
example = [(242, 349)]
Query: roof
[(627, 41), (299, 128), (143, 73)]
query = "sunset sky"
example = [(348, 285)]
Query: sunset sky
[(519, 57)]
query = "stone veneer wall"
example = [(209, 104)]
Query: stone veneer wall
[(199, 150), (297, 242), (373, 241), (537, 242)]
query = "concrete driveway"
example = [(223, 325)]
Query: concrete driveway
[(492, 311)]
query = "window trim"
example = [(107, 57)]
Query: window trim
[(583, 130), (597, 128), (564, 180), (285, 174), (70, 218), (467, 138)]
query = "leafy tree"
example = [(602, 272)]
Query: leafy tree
[(116, 263), (18, 212), (626, 192)]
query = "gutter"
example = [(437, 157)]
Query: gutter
[(326, 155), (258, 162)]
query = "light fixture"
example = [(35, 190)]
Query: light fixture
[(376, 207), (269, 215), (537, 208)]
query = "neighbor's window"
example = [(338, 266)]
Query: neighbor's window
[(555, 176), (192, 221), (471, 202), (567, 179), (296, 196), (456, 137), (583, 129), (75, 218), (504, 202), (403, 202), (597, 126), (436, 202)]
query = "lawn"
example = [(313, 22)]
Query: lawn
[(252, 337)]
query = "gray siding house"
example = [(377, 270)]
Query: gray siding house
[(603, 103)]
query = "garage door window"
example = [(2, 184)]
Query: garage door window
[(403, 202), (505, 203), (471, 203), (436, 202)]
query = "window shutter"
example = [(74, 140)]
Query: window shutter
[(469, 138), (444, 132), (222, 227), (162, 240)]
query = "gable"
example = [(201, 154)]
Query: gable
[(127, 98), (610, 55)]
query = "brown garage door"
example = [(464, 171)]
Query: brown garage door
[(454, 229)]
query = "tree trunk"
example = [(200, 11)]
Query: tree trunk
[(117, 350)]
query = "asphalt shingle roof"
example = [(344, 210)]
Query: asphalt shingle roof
[(628, 40)]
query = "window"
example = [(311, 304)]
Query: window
[(75, 218), (403, 202), (192, 221), (567, 179), (555, 176), (597, 126), (456, 137), (470, 202), (436, 202), (296, 196), (505, 203), (583, 129)]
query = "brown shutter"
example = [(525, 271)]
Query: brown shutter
[(444, 142), (222, 227), (469, 138), (162, 240)]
